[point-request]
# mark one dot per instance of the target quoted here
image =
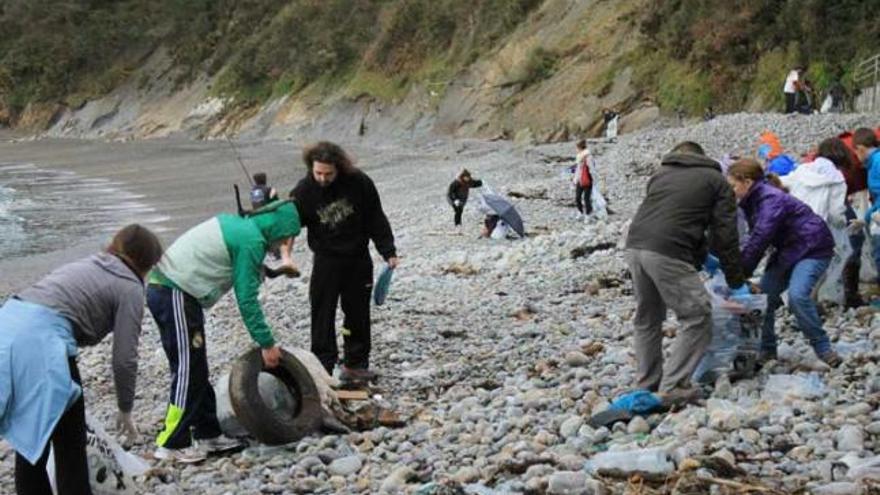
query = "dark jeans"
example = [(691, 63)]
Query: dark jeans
[(348, 280), (71, 464), (192, 403), (856, 240), (582, 198), (799, 281), (458, 211), (790, 102)]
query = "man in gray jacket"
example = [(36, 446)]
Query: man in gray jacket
[(666, 245)]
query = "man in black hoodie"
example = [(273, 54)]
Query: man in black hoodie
[(340, 207), (666, 245)]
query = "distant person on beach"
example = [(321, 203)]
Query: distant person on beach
[(610, 117), (583, 179), (41, 397), (667, 242), (222, 253), (790, 89), (458, 192), (261, 193), (806, 97), (340, 207)]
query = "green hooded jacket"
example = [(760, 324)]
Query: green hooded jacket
[(226, 252)]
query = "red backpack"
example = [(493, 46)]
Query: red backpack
[(585, 179)]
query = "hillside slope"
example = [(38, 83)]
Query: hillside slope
[(534, 70)]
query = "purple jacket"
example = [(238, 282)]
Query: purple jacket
[(780, 220)]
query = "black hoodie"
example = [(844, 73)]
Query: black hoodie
[(342, 217), (687, 197)]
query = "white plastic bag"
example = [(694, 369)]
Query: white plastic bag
[(831, 286), (780, 387), (736, 333), (611, 127), (826, 104), (111, 469), (860, 203), (598, 203)]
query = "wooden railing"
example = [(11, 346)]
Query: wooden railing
[(867, 76)]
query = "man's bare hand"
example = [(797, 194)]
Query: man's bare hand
[(271, 356)]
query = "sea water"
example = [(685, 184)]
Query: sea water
[(45, 210)]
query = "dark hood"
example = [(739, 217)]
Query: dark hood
[(690, 160)]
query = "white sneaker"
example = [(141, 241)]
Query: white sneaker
[(186, 455), (220, 444)]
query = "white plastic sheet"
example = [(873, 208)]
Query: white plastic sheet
[(111, 469)]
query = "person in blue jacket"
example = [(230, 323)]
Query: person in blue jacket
[(866, 144)]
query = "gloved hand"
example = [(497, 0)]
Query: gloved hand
[(125, 426), (741, 294), (855, 225), (711, 265)]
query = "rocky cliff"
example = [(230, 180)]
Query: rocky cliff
[(531, 70)]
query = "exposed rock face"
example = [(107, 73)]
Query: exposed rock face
[(493, 96)]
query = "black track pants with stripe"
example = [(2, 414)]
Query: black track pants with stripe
[(192, 404)]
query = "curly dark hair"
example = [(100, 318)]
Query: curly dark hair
[(327, 152)]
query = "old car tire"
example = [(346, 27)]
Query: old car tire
[(265, 424)]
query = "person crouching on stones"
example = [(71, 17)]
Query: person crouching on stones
[(224, 252), (666, 243), (458, 192), (40, 329), (804, 247)]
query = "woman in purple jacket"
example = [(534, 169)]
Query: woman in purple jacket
[(803, 249)]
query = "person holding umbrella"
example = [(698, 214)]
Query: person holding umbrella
[(501, 216)]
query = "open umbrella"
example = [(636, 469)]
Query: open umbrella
[(505, 211)]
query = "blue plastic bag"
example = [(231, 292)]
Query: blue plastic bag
[(383, 283), (637, 402)]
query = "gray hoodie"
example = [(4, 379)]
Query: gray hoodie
[(99, 294)]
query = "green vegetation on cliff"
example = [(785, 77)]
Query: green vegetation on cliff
[(689, 54), (67, 50), (728, 54)]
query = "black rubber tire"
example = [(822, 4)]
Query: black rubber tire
[(262, 422)]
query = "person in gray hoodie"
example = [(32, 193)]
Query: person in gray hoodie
[(40, 329)]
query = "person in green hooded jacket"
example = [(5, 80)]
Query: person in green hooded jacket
[(222, 253)]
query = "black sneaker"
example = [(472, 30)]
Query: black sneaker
[(356, 374), (832, 359), (678, 398), (765, 357)]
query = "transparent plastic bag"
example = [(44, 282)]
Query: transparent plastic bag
[(779, 387), (598, 203), (736, 334)]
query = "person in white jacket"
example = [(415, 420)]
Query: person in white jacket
[(822, 186)]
